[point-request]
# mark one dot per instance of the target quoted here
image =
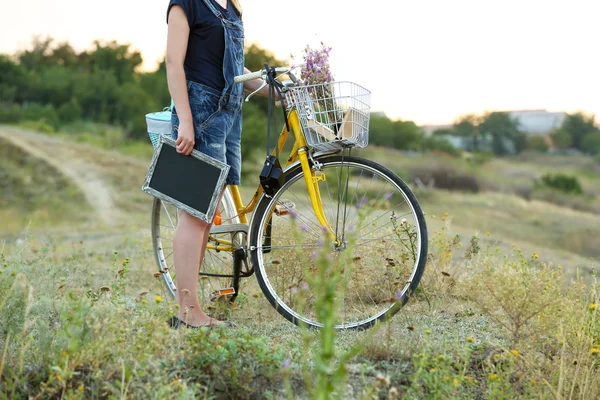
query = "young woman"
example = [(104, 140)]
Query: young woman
[(205, 51)]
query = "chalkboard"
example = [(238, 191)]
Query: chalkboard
[(192, 183)]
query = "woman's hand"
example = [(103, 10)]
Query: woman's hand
[(185, 138)]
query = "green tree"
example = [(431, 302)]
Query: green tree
[(155, 84), (69, 111), (254, 131), (537, 143), (435, 142), (578, 126), (590, 143), (562, 139), (116, 58), (131, 114), (11, 77), (380, 130), (407, 135), (443, 132), (404, 135), (504, 131), (255, 59), (37, 57), (467, 126)]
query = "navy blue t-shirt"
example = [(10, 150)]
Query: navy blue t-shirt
[(206, 44)]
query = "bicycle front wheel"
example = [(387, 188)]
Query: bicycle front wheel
[(375, 217)]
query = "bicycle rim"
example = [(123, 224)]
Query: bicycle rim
[(164, 222), (379, 257)]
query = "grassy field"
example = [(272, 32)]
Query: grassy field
[(507, 309)]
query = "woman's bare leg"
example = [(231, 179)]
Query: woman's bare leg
[(189, 245)]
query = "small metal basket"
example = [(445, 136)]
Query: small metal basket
[(159, 124), (333, 115)]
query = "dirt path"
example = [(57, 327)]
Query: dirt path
[(71, 164)]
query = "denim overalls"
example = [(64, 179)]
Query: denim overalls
[(218, 115)]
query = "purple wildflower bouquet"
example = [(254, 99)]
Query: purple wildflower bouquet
[(315, 71)]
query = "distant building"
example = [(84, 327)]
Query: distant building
[(538, 122)]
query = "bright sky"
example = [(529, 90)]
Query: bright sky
[(428, 61)]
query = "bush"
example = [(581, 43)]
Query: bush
[(445, 177), (590, 143), (43, 113), (38, 126), (537, 143), (480, 157), (69, 112), (10, 113), (441, 144), (562, 183)]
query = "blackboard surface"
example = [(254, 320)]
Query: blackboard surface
[(192, 183)]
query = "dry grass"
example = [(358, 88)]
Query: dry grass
[(488, 321)]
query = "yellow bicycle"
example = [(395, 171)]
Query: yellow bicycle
[(329, 199)]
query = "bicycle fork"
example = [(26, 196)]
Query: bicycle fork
[(312, 179)]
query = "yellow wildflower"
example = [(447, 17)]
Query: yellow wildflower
[(559, 267), (515, 352), (493, 376), (535, 255), (593, 306), (470, 339), (594, 350), (158, 299), (80, 388), (432, 370)]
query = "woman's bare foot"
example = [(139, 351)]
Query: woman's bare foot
[(198, 319)]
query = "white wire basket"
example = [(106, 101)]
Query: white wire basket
[(159, 124), (333, 115)]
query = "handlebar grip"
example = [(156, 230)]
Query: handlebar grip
[(248, 77)]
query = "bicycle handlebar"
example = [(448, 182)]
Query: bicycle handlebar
[(258, 74), (249, 77)]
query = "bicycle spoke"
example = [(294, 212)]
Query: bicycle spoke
[(377, 219), (293, 246)]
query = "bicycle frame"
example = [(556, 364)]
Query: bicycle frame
[(299, 153)]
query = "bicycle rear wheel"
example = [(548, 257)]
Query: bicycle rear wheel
[(164, 222), (375, 216)]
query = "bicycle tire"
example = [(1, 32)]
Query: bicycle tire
[(163, 223), (268, 274)]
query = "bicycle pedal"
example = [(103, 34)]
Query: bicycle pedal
[(284, 207), (221, 293)]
